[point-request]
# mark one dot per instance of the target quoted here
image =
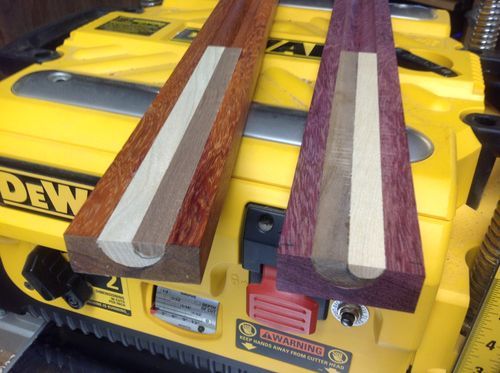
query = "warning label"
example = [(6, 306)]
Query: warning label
[(136, 26), (291, 349), (110, 293)]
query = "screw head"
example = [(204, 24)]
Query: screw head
[(265, 223)]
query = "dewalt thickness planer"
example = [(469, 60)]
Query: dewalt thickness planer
[(66, 111)]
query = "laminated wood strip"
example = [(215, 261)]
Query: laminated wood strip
[(152, 199), (95, 213), (157, 225), (168, 235), (333, 212), (195, 225), (352, 169), (351, 229), (116, 237)]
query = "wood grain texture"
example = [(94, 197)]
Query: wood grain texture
[(158, 222), (351, 229), (333, 212), (366, 258), (189, 205), (136, 232)]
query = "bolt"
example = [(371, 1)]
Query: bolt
[(73, 301), (350, 315), (347, 319)]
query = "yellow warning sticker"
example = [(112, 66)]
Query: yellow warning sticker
[(292, 349), (110, 293)]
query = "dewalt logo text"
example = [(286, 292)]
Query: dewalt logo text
[(41, 194), (293, 48)]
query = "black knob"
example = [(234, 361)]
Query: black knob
[(50, 274), (486, 127)]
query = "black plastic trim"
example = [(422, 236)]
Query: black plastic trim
[(49, 171), (39, 45)]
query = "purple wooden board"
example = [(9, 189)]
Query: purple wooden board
[(356, 26)]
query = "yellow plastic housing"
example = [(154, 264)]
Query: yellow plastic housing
[(86, 141)]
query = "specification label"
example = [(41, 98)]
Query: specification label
[(186, 311), (136, 26)]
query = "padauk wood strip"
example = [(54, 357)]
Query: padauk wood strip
[(178, 250)]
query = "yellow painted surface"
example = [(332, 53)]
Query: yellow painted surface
[(442, 342), (86, 141)]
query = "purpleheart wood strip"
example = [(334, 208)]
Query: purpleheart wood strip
[(404, 247), (316, 267)]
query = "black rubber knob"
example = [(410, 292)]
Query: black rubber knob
[(486, 127), (50, 274)]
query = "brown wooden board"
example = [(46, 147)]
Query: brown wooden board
[(154, 212), (351, 230)]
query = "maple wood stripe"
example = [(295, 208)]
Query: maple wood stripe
[(331, 238), (366, 226), (161, 215), (115, 240)]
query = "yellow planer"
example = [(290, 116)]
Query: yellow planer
[(64, 119)]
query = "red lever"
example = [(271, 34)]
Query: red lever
[(284, 311)]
